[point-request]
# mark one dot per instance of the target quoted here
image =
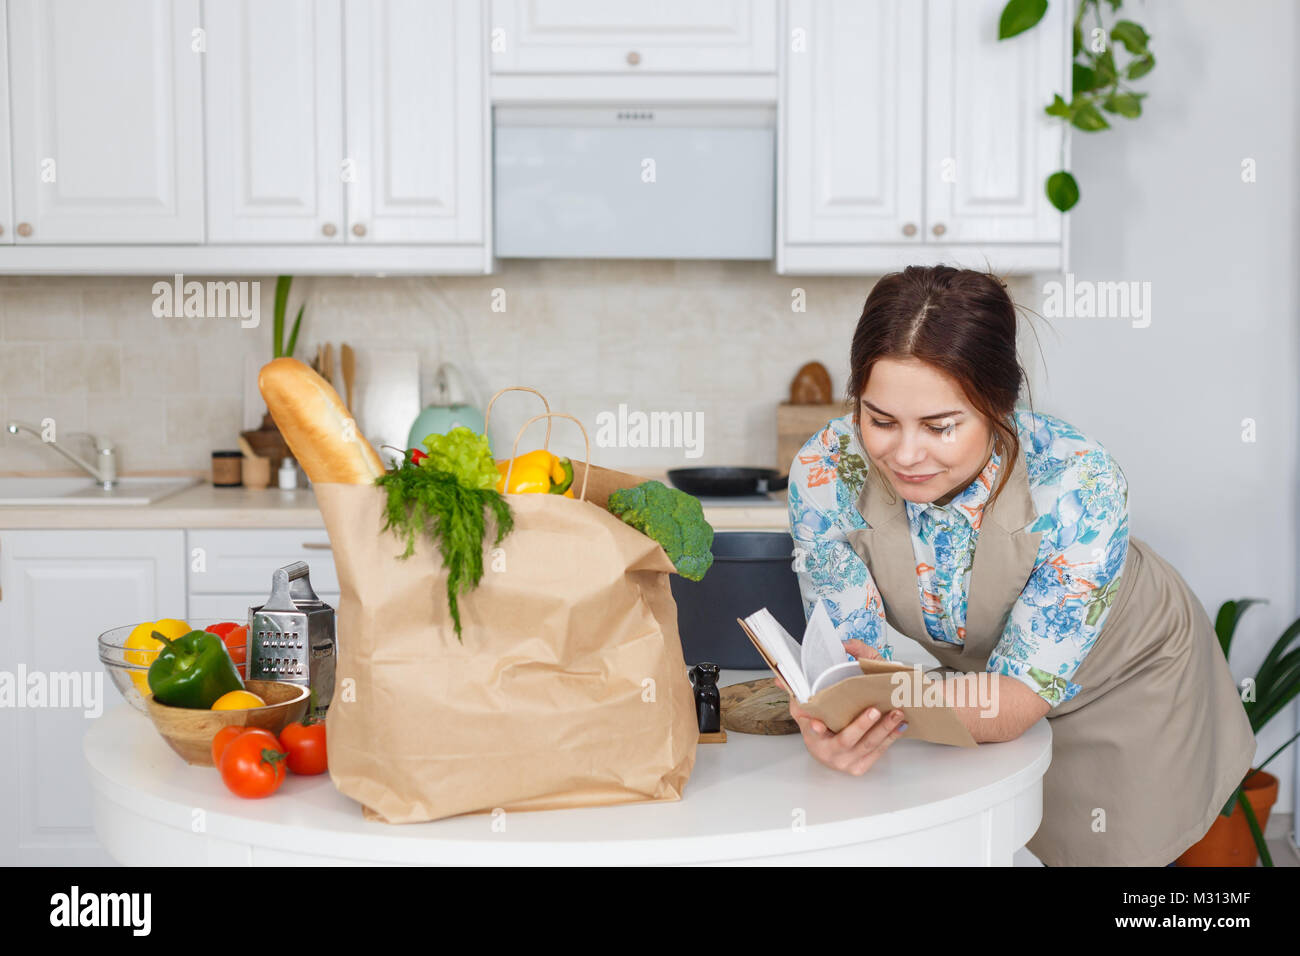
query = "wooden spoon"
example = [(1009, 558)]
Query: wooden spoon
[(348, 359)]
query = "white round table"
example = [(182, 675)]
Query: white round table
[(750, 800)]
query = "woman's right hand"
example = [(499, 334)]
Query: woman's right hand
[(855, 748)]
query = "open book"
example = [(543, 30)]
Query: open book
[(836, 691)]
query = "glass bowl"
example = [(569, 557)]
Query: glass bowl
[(128, 667)]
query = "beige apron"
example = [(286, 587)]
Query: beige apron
[(1152, 746)]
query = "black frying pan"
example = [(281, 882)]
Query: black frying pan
[(728, 481)]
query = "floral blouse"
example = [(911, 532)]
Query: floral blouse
[(1080, 497)]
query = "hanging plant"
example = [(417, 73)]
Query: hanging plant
[(1098, 85)]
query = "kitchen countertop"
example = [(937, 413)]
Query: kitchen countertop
[(204, 506), (751, 799)]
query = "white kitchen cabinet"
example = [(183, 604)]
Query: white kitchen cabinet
[(58, 591), (240, 562), (852, 133), (273, 109), (668, 36), (989, 145), (106, 121), (935, 148), (6, 195), (417, 121)]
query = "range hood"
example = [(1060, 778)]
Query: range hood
[(603, 182)]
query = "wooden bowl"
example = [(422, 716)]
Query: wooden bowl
[(189, 730)]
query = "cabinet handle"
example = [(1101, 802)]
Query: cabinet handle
[(909, 229), (938, 229), (329, 229), (316, 545), (633, 58), (24, 229), (359, 229)]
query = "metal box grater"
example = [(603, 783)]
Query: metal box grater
[(291, 637)]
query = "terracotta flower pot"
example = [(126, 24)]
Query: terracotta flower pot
[(1228, 841)]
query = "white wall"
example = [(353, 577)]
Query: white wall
[(1163, 202)]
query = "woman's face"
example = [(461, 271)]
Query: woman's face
[(915, 421)]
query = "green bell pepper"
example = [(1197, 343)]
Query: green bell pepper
[(192, 671)]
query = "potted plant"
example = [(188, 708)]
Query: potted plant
[(1237, 839), (267, 440)]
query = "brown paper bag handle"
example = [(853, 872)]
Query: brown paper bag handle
[(514, 450), (487, 416)]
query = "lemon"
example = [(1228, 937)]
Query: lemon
[(238, 700), (142, 647)]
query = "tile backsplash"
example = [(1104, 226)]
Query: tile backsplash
[(717, 338)]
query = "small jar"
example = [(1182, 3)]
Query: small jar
[(227, 469), (288, 475)]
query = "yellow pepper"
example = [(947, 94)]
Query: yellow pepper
[(536, 471), (525, 478)]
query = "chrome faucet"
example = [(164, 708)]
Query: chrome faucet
[(105, 472)]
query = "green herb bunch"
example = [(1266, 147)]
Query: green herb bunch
[(427, 501)]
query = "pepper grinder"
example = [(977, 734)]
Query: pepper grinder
[(708, 702)]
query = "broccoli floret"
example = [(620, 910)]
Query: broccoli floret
[(673, 518)]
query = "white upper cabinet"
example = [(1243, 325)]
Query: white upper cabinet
[(106, 121), (6, 197), (665, 36), (910, 133), (274, 113), (989, 145), (417, 114), (852, 122)]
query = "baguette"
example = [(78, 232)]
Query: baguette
[(314, 421)]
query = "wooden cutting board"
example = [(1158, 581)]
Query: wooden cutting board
[(757, 707)]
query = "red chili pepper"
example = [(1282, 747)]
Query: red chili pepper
[(416, 455)]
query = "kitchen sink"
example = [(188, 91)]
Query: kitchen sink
[(86, 491)]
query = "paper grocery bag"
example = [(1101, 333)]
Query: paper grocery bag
[(569, 688)]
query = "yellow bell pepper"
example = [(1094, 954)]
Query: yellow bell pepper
[(525, 478), (536, 471)]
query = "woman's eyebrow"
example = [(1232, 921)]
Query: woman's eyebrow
[(924, 418)]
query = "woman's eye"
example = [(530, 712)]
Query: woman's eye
[(936, 430)]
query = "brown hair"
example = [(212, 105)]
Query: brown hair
[(960, 322)]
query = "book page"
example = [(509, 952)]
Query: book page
[(782, 648), (836, 674), (821, 650)]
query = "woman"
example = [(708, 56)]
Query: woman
[(998, 539)]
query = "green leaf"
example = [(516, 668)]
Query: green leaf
[(1088, 118), (1125, 104), (1059, 107), (1062, 190), (281, 300), (1132, 36), (1107, 74), (1019, 15), (1085, 79), (1078, 41), (1141, 66), (293, 333)]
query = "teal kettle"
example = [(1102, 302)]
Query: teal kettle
[(444, 415)]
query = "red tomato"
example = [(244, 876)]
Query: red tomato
[(306, 746), (226, 734), (252, 765), (237, 644), (222, 629)]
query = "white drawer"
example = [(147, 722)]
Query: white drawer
[(241, 561), (234, 607)]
